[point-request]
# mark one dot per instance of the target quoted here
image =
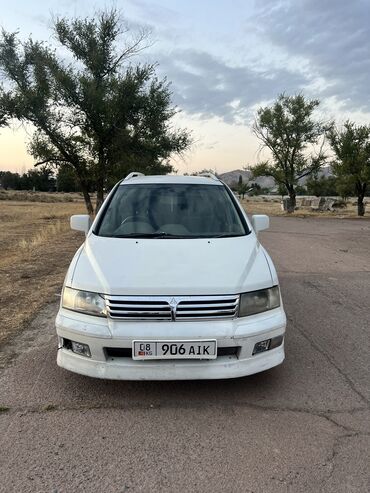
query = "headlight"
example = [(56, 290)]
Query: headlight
[(259, 301), (84, 302)]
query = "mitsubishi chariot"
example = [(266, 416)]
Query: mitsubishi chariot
[(171, 283)]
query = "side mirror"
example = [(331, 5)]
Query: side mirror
[(81, 222), (260, 222)]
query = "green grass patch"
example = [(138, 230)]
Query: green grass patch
[(49, 407)]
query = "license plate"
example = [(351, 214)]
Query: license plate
[(174, 349)]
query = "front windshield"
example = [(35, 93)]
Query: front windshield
[(158, 210)]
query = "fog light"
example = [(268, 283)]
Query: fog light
[(79, 348), (276, 342), (261, 346)]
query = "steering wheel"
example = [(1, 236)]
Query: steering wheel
[(131, 219)]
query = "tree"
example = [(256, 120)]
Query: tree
[(351, 145), (287, 129), (345, 187), (66, 179), (281, 189), (243, 189), (98, 113), (255, 189), (300, 190), (322, 186), (9, 180), (204, 171), (41, 179)]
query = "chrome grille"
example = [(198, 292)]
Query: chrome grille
[(172, 308), (207, 307), (138, 308)]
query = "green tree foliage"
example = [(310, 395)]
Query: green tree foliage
[(41, 179), (322, 186), (242, 188), (204, 171), (345, 187), (282, 189), (300, 190), (255, 189), (66, 179), (351, 145), (9, 180), (95, 112), (287, 129)]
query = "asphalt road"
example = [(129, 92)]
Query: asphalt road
[(303, 426)]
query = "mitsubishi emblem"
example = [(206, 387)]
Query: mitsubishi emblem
[(173, 306)]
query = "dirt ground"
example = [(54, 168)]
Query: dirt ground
[(301, 427), (36, 246)]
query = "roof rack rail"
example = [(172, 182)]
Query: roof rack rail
[(209, 175), (133, 175)]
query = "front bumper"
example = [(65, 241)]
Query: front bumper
[(102, 333)]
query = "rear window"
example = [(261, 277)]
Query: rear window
[(172, 210)]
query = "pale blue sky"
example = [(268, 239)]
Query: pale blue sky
[(225, 58)]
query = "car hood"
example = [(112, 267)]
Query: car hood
[(125, 266)]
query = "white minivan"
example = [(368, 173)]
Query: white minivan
[(171, 283)]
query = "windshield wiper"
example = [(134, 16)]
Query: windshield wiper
[(226, 235), (156, 234), (163, 234)]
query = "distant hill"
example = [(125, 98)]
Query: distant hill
[(232, 177)]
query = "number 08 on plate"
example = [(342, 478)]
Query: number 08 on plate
[(202, 349)]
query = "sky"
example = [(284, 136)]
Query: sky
[(225, 59)]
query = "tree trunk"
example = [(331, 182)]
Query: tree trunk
[(86, 194), (361, 189), (100, 182), (88, 203), (292, 201), (99, 195), (360, 205)]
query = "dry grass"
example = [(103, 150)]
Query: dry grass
[(32, 244), (36, 246), (28, 196), (272, 207)]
